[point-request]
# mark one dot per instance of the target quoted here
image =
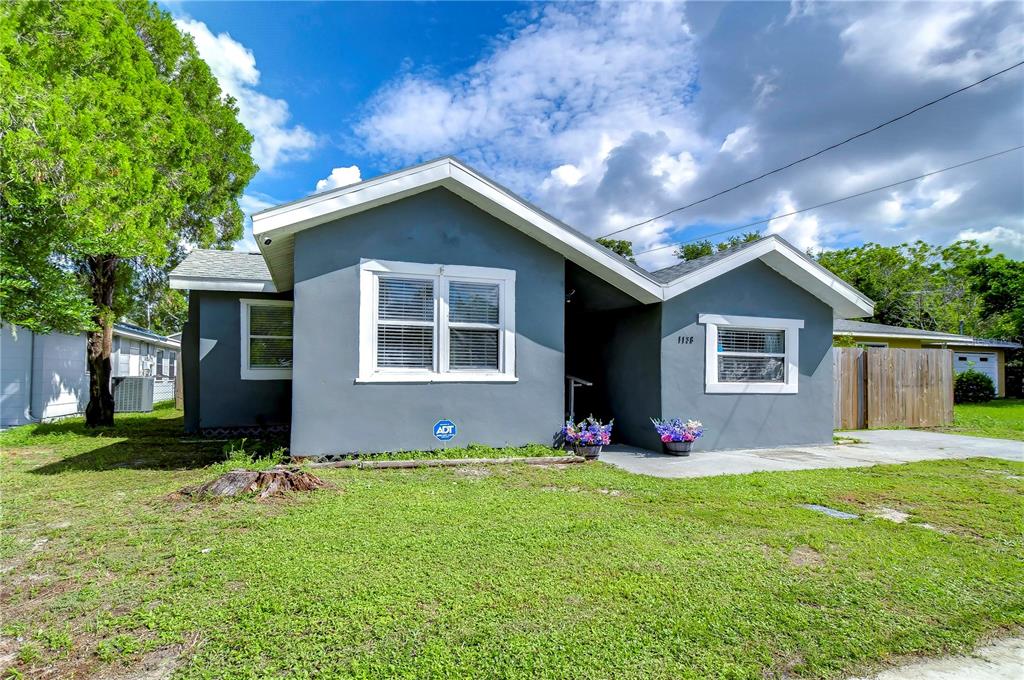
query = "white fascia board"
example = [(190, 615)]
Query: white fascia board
[(236, 285), (172, 344), (280, 224), (902, 336), (510, 209), (317, 209)]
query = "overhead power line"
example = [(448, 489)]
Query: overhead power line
[(818, 152), (832, 202)]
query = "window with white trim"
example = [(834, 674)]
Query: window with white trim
[(751, 355), (436, 323), (266, 340)]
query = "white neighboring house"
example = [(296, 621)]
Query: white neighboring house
[(43, 377)]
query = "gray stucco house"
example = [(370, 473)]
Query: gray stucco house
[(374, 311)]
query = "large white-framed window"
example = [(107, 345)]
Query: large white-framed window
[(751, 355), (266, 339), (435, 323)]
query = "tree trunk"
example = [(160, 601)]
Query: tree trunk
[(100, 270)]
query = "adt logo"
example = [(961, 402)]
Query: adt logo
[(444, 430)]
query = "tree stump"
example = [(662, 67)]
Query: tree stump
[(265, 483)]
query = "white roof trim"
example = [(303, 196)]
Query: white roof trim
[(904, 336), (209, 283), (280, 224), (173, 344)]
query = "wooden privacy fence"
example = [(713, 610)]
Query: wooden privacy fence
[(878, 387)]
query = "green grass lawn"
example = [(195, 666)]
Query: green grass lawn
[(1002, 418), (507, 571)]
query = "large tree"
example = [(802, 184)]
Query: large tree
[(118, 150), (961, 287)]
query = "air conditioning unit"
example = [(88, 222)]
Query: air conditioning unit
[(133, 393)]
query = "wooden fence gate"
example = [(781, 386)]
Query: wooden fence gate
[(879, 387)]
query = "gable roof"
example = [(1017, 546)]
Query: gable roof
[(670, 274), (223, 270), (881, 330), (275, 230)]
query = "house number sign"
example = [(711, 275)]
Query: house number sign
[(685, 339)]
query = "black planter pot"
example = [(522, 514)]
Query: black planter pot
[(678, 448), (588, 452)]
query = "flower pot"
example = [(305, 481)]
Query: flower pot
[(588, 452), (678, 448)]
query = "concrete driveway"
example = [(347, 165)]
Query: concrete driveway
[(877, 447)]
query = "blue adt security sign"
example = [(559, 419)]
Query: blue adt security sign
[(444, 430)]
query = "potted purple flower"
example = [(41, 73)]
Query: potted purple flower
[(677, 436), (588, 437)]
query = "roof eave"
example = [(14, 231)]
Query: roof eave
[(221, 284)]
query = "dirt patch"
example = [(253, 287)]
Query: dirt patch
[(156, 665), (891, 514), (471, 472), (805, 556), (612, 492)]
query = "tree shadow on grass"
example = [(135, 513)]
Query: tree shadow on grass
[(138, 441), (152, 453)]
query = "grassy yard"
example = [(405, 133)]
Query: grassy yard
[(1002, 418), (511, 571)]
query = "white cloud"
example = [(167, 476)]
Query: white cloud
[(567, 174), (234, 66), (739, 142), (553, 109), (1002, 240), (595, 113), (340, 177), (945, 40), (803, 231)]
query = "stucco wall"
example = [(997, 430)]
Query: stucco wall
[(331, 414), (748, 420), (224, 399)]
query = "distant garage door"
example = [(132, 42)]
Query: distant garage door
[(983, 362)]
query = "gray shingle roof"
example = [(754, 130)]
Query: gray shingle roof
[(223, 264), (882, 330), (669, 274), (867, 328)]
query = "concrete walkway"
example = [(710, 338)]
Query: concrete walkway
[(877, 447), (1003, 660)]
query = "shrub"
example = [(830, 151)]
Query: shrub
[(973, 386)]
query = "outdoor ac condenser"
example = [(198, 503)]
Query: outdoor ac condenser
[(133, 393)]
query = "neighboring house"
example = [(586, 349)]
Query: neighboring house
[(46, 376), (981, 354), (376, 310)]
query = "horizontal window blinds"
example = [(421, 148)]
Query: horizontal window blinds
[(751, 340), (473, 349), (405, 347), (270, 336), (406, 300), (472, 302)]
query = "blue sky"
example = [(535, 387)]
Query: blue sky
[(605, 115)]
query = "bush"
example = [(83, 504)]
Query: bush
[(971, 387)]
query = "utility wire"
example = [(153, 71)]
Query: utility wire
[(817, 153), (832, 202)]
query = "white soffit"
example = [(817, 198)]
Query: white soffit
[(280, 224)]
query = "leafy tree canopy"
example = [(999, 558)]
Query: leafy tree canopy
[(118, 151), (691, 251), (937, 287), (620, 246), (116, 142)]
